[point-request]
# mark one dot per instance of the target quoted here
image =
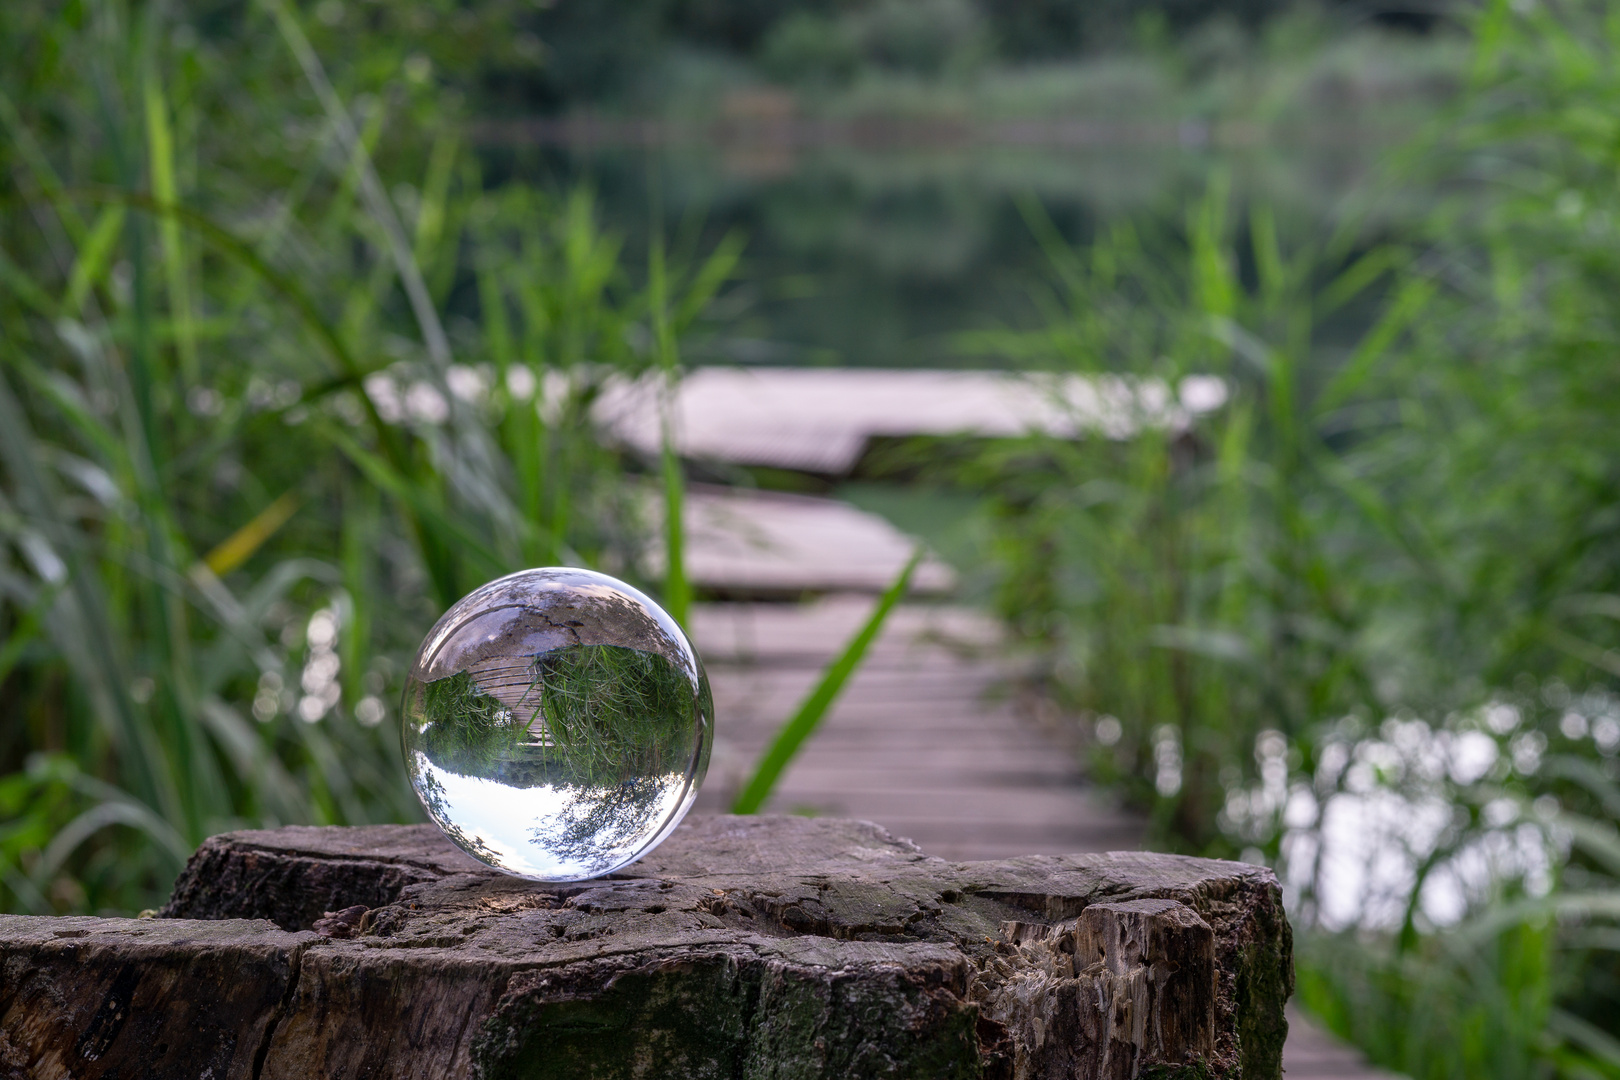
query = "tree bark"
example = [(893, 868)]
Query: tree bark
[(758, 947)]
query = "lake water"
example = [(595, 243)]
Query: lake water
[(879, 253)]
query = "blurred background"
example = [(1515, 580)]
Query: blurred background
[(312, 315)]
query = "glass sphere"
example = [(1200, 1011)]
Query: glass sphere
[(557, 724)]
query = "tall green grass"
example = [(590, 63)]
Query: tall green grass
[(1521, 987), (1182, 579), (280, 378), (1397, 538)]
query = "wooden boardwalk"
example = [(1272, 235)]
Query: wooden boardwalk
[(821, 420), (926, 740)]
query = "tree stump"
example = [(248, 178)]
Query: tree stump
[(758, 947)]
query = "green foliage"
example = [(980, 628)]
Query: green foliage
[(1396, 538), (1302, 554), (608, 55), (877, 253), (1455, 1009), (280, 378), (809, 49), (466, 731), (615, 713), (1182, 582), (1519, 989), (922, 36)]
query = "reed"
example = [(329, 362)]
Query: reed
[(283, 377), (1393, 540)]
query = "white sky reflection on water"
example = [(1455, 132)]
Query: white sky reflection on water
[(1385, 800)]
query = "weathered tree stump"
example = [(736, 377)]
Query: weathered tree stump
[(743, 947)]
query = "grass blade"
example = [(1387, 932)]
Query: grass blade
[(160, 142), (26, 629), (677, 589), (815, 706), (378, 204), (95, 653), (238, 547), (94, 257)]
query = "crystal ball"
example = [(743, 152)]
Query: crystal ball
[(557, 724)]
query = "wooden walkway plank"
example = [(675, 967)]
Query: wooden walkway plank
[(924, 739), (773, 544), (1313, 1054), (820, 420)]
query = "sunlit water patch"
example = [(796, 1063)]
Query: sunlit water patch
[(1413, 819)]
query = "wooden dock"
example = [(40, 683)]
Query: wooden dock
[(821, 420), (928, 740)]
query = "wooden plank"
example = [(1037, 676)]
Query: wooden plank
[(770, 544), (814, 631), (1313, 1054), (923, 740), (820, 420)]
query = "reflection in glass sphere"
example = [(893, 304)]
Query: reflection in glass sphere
[(557, 724)]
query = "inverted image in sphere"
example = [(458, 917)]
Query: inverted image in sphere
[(557, 724)]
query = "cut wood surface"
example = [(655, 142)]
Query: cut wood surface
[(927, 740), (743, 947)]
